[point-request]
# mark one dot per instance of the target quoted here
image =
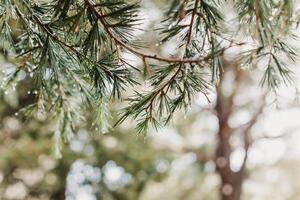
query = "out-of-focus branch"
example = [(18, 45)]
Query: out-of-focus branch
[(247, 131), (289, 131)]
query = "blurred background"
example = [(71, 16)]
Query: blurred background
[(173, 163)]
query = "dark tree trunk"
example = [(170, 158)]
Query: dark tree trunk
[(231, 182)]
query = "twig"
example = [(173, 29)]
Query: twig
[(247, 139), (142, 55), (189, 36)]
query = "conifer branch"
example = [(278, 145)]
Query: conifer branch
[(192, 23), (142, 55)]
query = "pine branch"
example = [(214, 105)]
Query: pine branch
[(142, 55), (192, 22), (71, 49)]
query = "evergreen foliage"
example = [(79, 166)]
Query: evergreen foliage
[(71, 53)]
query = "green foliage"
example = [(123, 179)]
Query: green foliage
[(270, 23), (71, 51)]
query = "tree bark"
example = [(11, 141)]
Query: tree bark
[(231, 182)]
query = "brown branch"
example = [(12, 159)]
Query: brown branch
[(257, 16), (247, 131), (257, 11), (189, 36), (142, 55), (161, 89)]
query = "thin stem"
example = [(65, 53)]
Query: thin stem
[(142, 55), (189, 36), (161, 89)]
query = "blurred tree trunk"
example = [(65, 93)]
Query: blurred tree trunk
[(230, 189), (231, 182)]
